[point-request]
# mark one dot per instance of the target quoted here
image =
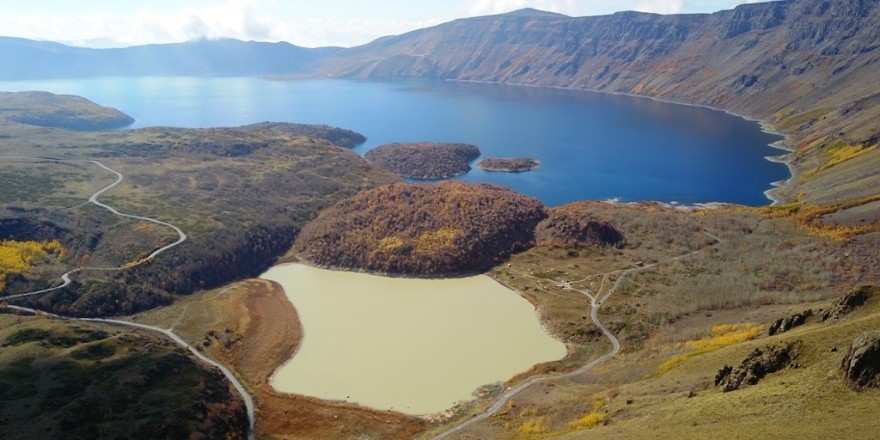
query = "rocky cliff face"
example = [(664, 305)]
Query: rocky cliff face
[(861, 365), (809, 66)]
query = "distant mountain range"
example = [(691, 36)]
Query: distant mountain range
[(29, 59), (757, 59), (811, 67)]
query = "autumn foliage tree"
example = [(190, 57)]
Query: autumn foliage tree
[(17, 257), (422, 229)]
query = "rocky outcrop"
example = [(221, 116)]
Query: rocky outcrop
[(756, 365), (860, 368), (847, 304), (783, 325), (424, 160), (575, 226)]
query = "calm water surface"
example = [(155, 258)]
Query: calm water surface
[(413, 345), (591, 145)]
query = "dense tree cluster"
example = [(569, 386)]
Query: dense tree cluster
[(576, 226), (424, 160), (507, 165), (17, 257), (423, 229)]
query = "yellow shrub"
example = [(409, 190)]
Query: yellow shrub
[(17, 257), (432, 242), (809, 218), (593, 418), (784, 113), (726, 334), (589, 420), (390, 244), (533, 426), (837, 153), (723, 335)]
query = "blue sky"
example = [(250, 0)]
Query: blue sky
[(106, 23)]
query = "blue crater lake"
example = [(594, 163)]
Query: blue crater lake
[(590, 145)]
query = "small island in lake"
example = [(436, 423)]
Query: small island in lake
[(424, 160), (508, 165)]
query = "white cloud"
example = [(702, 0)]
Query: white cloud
[(233, 18), (337, 31), (488, 7), (241, 19), (660, 6), (263, 20)]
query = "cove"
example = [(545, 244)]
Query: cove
[(591, 146), (416, 346)]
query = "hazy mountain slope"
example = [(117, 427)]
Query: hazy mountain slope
[(28, 59), (810, 66), (45, 109)]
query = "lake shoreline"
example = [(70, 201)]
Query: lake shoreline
[(462, 319), (772, 194), (569, 136)]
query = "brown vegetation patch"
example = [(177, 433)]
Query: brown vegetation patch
[(61, 379), (577, 226), (506, 165), (813, 217), (424, 160), (422, 229)]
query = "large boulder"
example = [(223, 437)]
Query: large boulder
[(756, 365), (848, 303), (861, 365), (783, 325)]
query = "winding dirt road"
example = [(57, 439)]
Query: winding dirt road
[(248, 400), (93, 199), (595, 303)]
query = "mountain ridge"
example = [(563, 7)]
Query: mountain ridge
[(806, 67), (31, 59)]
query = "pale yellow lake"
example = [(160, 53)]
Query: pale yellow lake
[(412, 345)]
